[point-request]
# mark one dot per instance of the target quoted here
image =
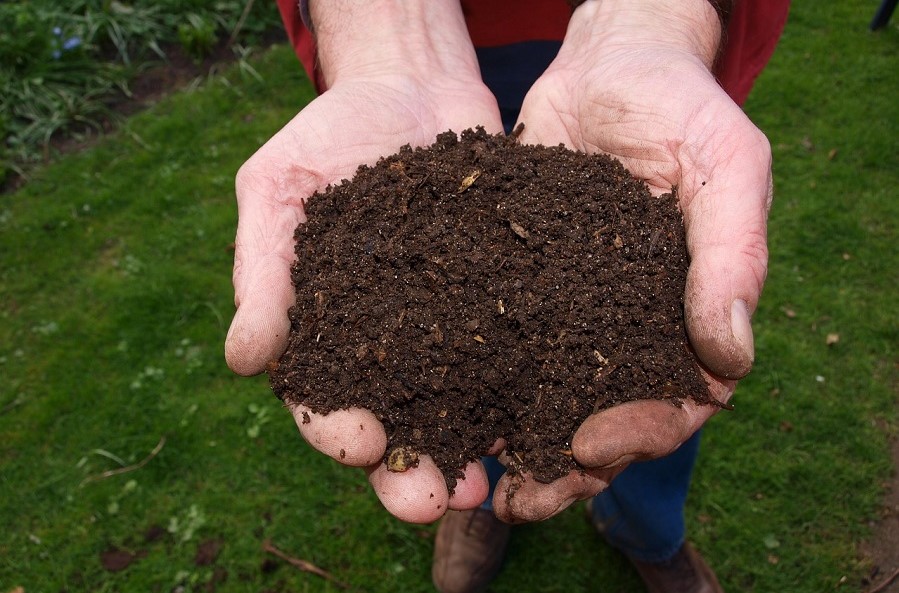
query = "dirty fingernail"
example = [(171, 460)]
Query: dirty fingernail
[(624, 459), (565, 504), (741, 328)]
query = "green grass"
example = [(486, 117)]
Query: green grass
[(115, 297)]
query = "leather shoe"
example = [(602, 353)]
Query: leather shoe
[(685, 572), (469, 550)]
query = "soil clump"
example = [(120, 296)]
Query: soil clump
[(479, 289)]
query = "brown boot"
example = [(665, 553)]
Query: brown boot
[(686, 572), (468, 551)]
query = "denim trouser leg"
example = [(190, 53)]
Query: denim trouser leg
[(642, 511), (495, 471)]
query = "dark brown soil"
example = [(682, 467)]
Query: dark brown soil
[(479, 289)]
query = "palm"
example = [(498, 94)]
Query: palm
[(660, 116)]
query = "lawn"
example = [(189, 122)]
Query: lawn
[(131, 459)]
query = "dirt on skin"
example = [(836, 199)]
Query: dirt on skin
[(479, 289)]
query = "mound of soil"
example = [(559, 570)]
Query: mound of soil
[(480, 288)]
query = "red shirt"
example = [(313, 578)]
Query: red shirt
[(754, 29)]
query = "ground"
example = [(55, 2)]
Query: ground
[(881, 548)]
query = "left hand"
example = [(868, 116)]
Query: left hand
[(633, 80)]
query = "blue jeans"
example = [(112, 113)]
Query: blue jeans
[(642, 511)]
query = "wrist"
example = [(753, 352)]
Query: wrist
[(358, 40), (722, 7), (690, 26)]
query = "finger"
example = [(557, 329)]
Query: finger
[(521, 500), (726, 219), (261, 327), (417, 495), (636, 431), (264, 252), (471, 490), (352, 437), (497, 447)]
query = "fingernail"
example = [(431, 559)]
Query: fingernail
[(741, 328), (619, 462), (565, 504)]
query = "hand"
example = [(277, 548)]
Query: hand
[(394, 78), (632, 80)]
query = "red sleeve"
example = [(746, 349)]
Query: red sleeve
[(302, 41), (753, 31), (492, 23), (752, 35)]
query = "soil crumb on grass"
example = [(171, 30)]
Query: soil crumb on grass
[(479, 289)]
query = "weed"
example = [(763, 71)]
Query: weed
[(197, 36), (185, 526)]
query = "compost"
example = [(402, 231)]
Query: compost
[(479, 289)]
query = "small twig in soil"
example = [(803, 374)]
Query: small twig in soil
[(601, 400), (129, 468), (19, 400), (303, 565), (653, 241), (722, 405), (884, 583), (422, 182)]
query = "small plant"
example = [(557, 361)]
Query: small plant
[(184, 528), (197, 36), (63, 63), (259, 418)]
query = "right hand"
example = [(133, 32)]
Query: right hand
[(362, 117), (633, 80)]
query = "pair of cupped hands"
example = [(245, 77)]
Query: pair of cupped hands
[(648, 100)]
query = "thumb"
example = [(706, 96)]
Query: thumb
[(260, 328), (726, 220), (263, 291)]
